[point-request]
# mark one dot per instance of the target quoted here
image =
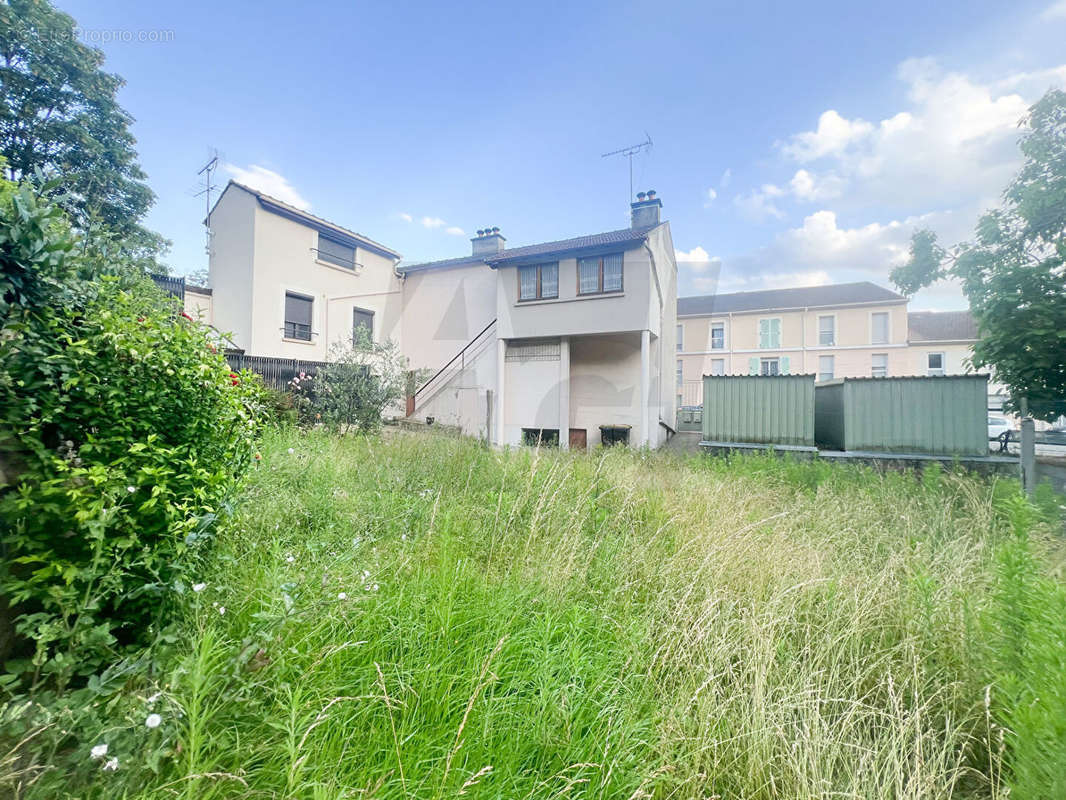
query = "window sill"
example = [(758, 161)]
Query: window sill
[(575, 299), (296, 341), (529, 300), (346, 270)]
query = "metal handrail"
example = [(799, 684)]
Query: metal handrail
[(460, 356), (336, 260)]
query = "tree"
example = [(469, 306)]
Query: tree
[(1014, 271), (59, 116)]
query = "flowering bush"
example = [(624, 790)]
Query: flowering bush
[(121, 432)]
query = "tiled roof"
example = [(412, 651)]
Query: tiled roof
[(838, 294), (596, 240), (941, 326), (443, 264), (282, 208)]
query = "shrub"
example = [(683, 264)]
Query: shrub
[(120, 429)]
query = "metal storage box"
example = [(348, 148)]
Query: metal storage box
[(943, 415), (759, 409)]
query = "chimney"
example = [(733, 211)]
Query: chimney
[(646, 210), (488, 242)]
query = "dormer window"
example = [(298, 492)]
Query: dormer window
[(334, 252), (599, 274), (538, 281)]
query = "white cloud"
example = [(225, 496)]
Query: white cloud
[(758, 204), (806, 185), (775, 280), (455, 230), (833, 135), (711, 195), (433, 222), (405, 217), (698, 261), (268, 182), (1055, 11), (727, 176)]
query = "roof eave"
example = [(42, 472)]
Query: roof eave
[(552, 255)]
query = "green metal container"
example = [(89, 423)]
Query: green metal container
[(944, 415), (759, 409)]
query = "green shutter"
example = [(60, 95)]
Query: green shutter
[(764, 333), (784, 365), (753, 366), (775, 333)]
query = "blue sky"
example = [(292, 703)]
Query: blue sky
[(794, 143)]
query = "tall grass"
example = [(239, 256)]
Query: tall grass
[(418, 618)]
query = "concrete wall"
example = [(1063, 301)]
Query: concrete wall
[(605, 384), (531, 392), (232, 224), (443, 310), (198, 305), (467, 399)]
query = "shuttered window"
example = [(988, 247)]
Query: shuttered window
[(600, 274), (335, 252), (298, 316), (770, 333)]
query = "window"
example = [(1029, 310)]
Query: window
[(538, 281), (879, 365), (827, 331), (879, 328), (680, 372), (825, 368), (680, 338), (298, 316), (770, 333), (769, 366), (718, 366), (334, 252), (935, 364), (361, 318), (599, 274), (535, 437), (718, 336)]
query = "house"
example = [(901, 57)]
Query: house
[(565, 341), (288, 284)]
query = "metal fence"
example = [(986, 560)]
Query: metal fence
[(175, 285), (276, 372)]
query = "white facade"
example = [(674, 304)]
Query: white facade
[(503, 368)]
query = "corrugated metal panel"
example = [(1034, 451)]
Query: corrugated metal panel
[(759, 409), (829, 414), (943, 415)]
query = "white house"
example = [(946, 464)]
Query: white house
[(550, 342)]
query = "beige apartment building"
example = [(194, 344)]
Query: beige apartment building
[(836, 331)]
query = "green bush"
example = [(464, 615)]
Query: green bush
[(121, 430)]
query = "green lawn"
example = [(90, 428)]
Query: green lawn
[(413, 617)]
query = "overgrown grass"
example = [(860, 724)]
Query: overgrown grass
[(407, 617)]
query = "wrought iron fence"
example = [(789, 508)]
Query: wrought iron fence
[(276, 372), (175, 285)]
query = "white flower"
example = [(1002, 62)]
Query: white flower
[(131, 489), (290, 559), (366, 574), (99, 751), (403, 537), (292, 450), (221, 610), (342, 596), (153, 721), (154, 697), (199, 587), (111, 765), (375, 587)]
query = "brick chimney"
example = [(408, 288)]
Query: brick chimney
[(646, 210), (488, 242)]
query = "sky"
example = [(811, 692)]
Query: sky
[(794, 144)]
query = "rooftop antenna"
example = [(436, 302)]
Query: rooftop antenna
[(206, 186), (629, 152)]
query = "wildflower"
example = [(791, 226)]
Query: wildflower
[(292, 450), (199, 587), (403, 537), (290, 559), (153, 721), (303, 375), (111, 765), (375, 587), (221, 610), (154, 697), (186, 316), (342, 596), (366, 574), (131, 489), (99, 751), (258, 456)]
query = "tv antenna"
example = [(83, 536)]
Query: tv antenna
[(206, 186), (629, 152)]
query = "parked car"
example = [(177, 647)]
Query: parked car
[(997, 426)]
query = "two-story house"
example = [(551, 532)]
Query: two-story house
[(841, 330), (548, 342)]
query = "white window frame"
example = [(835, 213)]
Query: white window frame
[(822, 373), (680, 337), (680, 372), (943, 370), (818, 330), (780, 333), (710, 335), (766, 361), (888, 327), (714, 365), (873, 369)]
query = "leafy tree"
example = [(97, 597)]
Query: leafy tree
[(1014, 272), (59, 116)]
